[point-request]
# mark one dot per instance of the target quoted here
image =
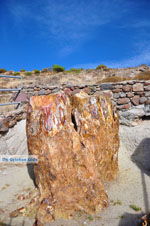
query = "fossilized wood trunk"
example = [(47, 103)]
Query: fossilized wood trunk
[(76, 141)]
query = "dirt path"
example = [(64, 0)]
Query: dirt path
[(130, 188)]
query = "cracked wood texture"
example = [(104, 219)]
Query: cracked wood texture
[(76, 141)]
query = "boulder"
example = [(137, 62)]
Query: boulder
[(130, 94), (143, 100), (147, 88), (76, 141), (124, 106), (127, 88), (132, 114), (135, 100), (122, 94), (123, 101), (138, 87)]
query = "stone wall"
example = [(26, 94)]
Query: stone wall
[(132, 99), (125, 94), (131, 93)]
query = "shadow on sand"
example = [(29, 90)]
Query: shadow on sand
[(141, 157)]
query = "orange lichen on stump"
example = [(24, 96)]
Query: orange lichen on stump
[(76, 141)]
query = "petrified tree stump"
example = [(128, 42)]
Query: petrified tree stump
[(76, 141)]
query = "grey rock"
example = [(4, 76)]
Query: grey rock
[(147, 88), (41, 92), (57, 89), (147, 109), (118, 87), (107, 86), (133, 113), (147, 94), (125, 121), (122, 94), (116, 95), (143, 100)]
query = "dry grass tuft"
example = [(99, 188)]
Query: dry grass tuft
[(143, 76), (114, 79)]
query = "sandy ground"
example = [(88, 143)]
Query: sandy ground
[(130, 188)]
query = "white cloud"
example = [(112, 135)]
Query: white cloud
[(141, 24), (69, 23), (142, 57)]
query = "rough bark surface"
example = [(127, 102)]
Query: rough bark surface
[(76, 141)]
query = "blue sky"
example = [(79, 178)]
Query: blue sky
[(35, 34)]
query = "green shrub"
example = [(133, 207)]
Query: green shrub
[(102, 67), (134, 207), (28, 73), (16, 73), (90, 218), (36, 71), (22, 70), (118, 202), (77, 70), (58, 68), (2, 70)]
